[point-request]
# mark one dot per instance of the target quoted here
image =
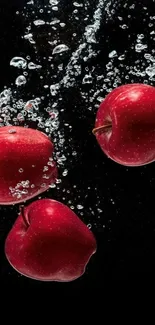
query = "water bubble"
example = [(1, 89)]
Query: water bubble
[(31, 105), (20, 117), (25, 184), (113, 54), (12, 131), (24, 191), (43, 185), (20, 81), (55, 8), (45, 176), (39, 22), (54, 89), (76, 4), (18, 62), (121, 57), (60, 48), (58, 181), (54, 21), (53, 2), (65, 172), (52, 185), (45, 169), (34, 66), (150, 71), (62, 24), (140, 47), (79, 207), (87, 79), (90, 34)]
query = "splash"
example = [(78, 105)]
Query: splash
[(60, 44)]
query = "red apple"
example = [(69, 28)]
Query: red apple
[(48, 242), (125, 125), (26, 164)]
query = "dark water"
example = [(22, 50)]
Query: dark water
[(102, 44)]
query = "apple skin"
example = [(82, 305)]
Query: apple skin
[(24, 153), (55, 245), (130, 140)]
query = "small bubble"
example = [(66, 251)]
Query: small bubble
[(43, 185), (45, 169), (52, 185), (58, 181), (21, 170), (50, 163), (65, 172), (24, 191), (12, 131), (45, 176), (79, 207), (21, 80)]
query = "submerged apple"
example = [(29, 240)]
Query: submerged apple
[(48, 242), (125, 125), (26, 164)]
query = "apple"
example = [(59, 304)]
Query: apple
[(48, 242), (26, 164), (125, 125)]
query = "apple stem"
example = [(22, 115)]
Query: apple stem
[(103, 128), (22, 211)]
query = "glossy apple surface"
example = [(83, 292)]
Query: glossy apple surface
[(48, 242), (26, 164), (125, 125)]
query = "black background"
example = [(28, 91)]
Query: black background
[(127, 242)]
